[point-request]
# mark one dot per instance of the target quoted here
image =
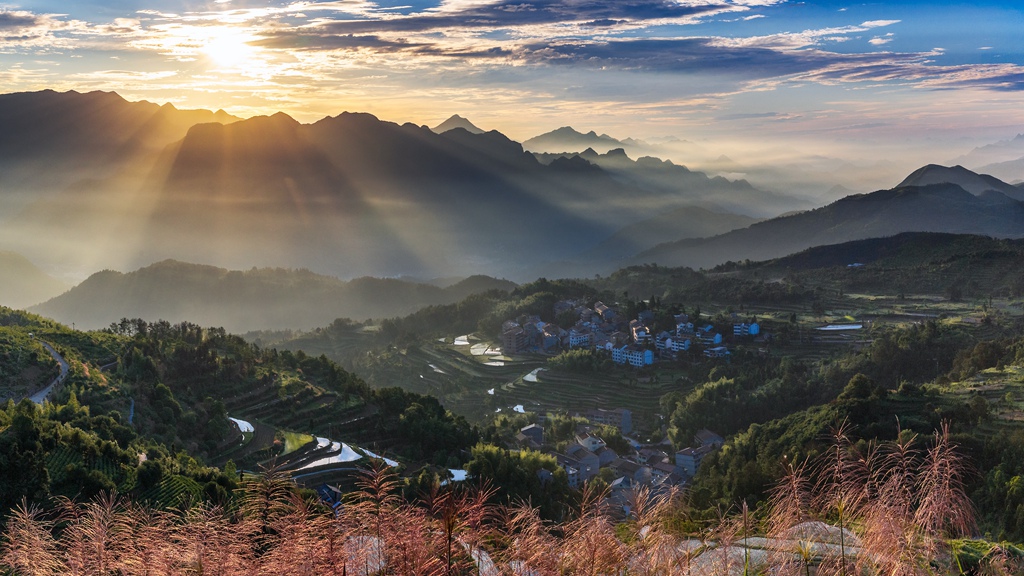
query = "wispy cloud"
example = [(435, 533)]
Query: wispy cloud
[(881, 40), (656, 59)]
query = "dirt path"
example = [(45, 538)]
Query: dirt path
[(40, 397)]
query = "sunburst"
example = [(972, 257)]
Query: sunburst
[(230, 47)]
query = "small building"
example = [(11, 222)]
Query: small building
[(671, 344), (679, 344), (689, 459), (513, 339), (580, 338), (744, 329), (639, 331), (589, 463), (621, 418), (633, 355), (535, 432), (526, 442), (717, 352), (651, 456), (606, 456), (551, 336), (607, 314), (589, 441), (666, 474), (662, 341), (585, 314), (638, 474), (571, 467), (708, 336), (705, 437), (532, 325)]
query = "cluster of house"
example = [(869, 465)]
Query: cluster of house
[(602, 328), (643, 466)]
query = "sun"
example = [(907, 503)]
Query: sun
[(229, 48)]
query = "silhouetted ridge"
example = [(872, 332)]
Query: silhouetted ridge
[(939, 207), (966, 179), (259, 298), (457, 122)]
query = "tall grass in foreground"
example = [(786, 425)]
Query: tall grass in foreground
[(889, 510)]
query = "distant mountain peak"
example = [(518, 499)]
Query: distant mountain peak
[(970, 181), (569, 139), (456, 121)]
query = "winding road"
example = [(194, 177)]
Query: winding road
[(40, 397)]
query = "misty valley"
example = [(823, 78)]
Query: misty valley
[(352, 346)]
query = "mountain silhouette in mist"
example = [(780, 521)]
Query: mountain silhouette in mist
[(350, 195), (53, 138), (716, 193), (256, 299), (974, 183), (454, 122), (23, 284), (568, 139), (936, 206)]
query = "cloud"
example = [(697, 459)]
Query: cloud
[(121, 26), (806, 38), (21, 29), (299, 40), (879, 23), (508, 14), (880, 40), (11, 20), (700, 55), (758, 116)]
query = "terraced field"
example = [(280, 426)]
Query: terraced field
[(307, 408), (1002, 388), (261, 439)]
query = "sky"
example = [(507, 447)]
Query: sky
[(877, 76)]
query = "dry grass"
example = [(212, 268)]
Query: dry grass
[(890, 510)]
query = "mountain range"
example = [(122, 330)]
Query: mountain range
[(932, 199), (715, 193), (349, 195), (568, 139), (1004, 160), (52, 140), (240, 301), (352, 195)]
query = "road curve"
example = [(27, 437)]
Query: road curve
[(40, 397)]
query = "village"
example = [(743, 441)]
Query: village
[(629, 341), (588, 456)]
